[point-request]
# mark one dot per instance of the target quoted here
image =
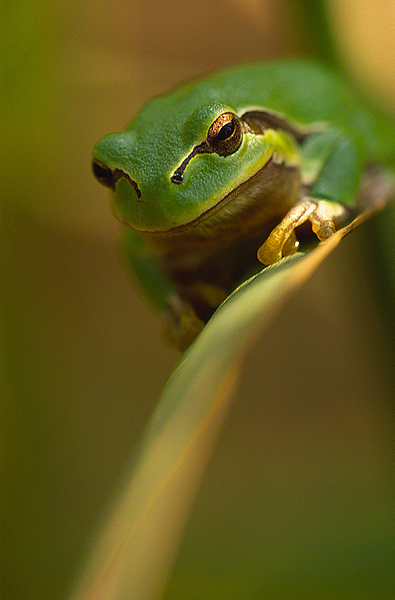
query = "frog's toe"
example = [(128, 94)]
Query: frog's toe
[(291, 245), (325, 230), (326, 217), (182, 326), (269, 253)]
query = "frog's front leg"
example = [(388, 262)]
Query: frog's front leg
[(323, 215), (331, 168), (181, 323)]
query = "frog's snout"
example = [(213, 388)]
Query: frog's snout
[(109, 177)]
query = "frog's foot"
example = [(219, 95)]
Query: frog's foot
[(182, 325), (272, 250), (282, 241)]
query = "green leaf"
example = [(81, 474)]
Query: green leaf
[(139, 543)]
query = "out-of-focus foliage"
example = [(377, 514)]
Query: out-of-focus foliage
[(83, 362)]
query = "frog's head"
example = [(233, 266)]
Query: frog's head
[(178, 160)]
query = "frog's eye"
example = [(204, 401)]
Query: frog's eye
[(224, 138), (103, 174), (225, 134)]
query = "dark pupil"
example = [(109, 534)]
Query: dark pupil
[(226, 131)]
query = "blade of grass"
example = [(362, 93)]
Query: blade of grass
[(139, 542), (315, 31)]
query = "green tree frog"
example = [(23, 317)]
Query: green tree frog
[(214, 178)]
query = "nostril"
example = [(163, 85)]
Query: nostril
[(103, 174), (109, 177)]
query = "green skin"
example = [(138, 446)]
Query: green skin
[(202, 193)]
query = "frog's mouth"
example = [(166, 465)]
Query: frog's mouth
[(222, 203)]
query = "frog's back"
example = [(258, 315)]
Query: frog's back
[(301, 91)]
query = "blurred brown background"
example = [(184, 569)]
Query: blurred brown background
[(84, 361)]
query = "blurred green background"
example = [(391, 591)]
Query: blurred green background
[(307, 455)]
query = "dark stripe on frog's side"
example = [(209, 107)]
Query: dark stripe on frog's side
[(259, 120)]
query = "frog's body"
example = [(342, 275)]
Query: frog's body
[(209, 172)]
